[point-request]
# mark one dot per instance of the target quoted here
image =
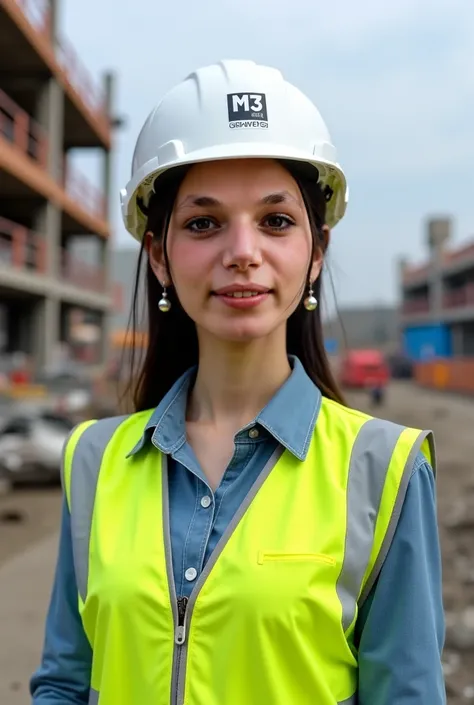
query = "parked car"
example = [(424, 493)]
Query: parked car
[(31, 443), (364, 369)]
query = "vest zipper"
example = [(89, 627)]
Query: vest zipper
[(180, 633), (179, 640)]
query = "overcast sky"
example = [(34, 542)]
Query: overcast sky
[(394, 82)]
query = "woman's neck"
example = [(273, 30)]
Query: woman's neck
[(234, 382)]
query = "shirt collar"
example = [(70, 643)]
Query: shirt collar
[(289, 416)]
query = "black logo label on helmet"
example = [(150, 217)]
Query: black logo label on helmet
[(247, 110)]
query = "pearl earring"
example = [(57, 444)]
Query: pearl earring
[(164, 304), (310, 302)]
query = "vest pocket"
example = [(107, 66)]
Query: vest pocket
[(280, 556)]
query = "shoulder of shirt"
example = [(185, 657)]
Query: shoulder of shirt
[(421, 465)]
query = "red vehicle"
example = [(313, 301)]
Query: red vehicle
[(364, 369)]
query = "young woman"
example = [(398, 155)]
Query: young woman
[(243, 538)]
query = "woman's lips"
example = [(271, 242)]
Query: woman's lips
[(242, 298)]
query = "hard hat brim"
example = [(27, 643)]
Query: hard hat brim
[(141, 185)]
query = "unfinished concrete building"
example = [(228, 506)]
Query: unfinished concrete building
[(49, 105), (437, 298)]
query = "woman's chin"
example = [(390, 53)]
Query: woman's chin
[(243, 331)]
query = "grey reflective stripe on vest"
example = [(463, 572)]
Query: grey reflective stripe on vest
[(387, 541), (86, 462), (370, 459), (94, 698)]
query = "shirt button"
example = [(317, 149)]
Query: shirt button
[(190, 574), (206, 502), (254, 433)]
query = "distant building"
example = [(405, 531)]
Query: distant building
[(363, 327), (437, 298), (49, 106)]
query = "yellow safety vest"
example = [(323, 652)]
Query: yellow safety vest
[(271, 619)]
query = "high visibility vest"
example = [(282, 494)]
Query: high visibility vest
[(271, 619)]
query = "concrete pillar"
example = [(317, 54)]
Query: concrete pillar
[(436, 290), (47, 328), (48, 223), (438, 235), (50, 108), (50, 115), (401, 264)]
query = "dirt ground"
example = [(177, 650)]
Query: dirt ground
[(452, 420), (28, 516)]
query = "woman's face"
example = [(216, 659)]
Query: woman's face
[(239, 248)]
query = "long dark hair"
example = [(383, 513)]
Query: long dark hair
[(172, 345)]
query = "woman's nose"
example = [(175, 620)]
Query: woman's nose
[(242, 247)]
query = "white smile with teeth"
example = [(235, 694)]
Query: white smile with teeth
[(243, 294)]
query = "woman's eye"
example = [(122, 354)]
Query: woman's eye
[(278, 222), (200, 225)]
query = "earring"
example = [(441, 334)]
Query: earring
[(164, 304), (310, 302)]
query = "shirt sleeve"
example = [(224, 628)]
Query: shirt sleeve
[(401, 626), (63, 677)]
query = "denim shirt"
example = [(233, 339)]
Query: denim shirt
[(399, 640)]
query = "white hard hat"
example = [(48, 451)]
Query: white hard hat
[(233, 109)]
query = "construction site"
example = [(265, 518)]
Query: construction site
[(57, 309), (437, 311), (50, 110)]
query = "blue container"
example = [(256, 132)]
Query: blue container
[(423, 343)]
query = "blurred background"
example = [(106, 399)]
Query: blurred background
[(77, 80)]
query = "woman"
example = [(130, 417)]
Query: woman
[(243, 537)]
